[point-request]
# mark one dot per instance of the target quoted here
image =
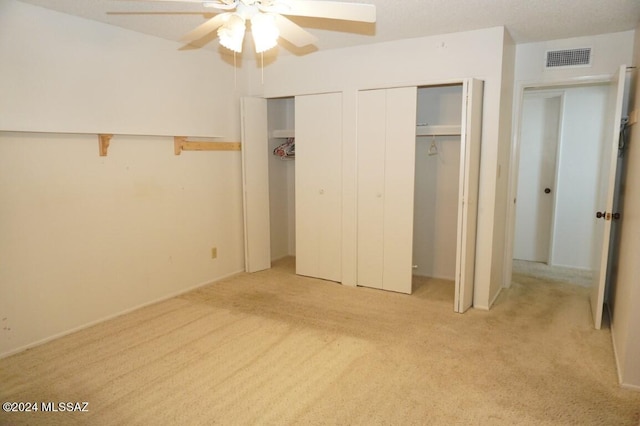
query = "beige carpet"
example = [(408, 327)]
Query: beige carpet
[(274, 348), (554, 273)]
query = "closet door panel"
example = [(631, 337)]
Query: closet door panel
[(318, 124), (386, 164), (468, 207), (399, 172), (255, 180), (371, 153)]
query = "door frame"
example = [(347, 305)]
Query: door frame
[(543, 93), (515, 155)]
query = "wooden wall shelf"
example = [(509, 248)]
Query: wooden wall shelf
[(181, 143), (103, 144)]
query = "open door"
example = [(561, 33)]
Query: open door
[(468, 207), (606, 197), (255, 182)]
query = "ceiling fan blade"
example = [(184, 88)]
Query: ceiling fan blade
[(293, 33), (204, 29), (324, 9), (213, 4)]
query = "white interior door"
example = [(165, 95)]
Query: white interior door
[(469, 178), (606, 196), (537, 176), (255, 181), (318, 185), (386, 169)]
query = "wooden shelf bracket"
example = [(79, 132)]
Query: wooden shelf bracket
[(181, 143), (103, 144)]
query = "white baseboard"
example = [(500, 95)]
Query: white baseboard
[(284, 256), (491, 302), (495, 297), (108, 317), (635, 388), (436, 277), (617, 358), (480, 307), (615, 348)]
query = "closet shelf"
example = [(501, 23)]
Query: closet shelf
[(283, 133), (438, 130)]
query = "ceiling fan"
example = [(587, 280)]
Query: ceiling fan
[(267, 20)]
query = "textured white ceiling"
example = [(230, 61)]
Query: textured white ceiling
[(526, 20)]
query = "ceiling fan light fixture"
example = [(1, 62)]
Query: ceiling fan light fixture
[(231, 34), (265, 32)]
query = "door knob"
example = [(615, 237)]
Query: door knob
[(547, 190)]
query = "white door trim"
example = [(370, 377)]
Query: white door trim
[(515, 155)]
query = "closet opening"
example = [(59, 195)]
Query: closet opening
[(436, 190), (418, 172), (293, 210), (281, 164)]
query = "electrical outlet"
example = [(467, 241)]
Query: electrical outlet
[(214, 252)]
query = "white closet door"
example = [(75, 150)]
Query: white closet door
[(318, 124), (372, 125), (386, 167), (468, 207), (255, 181), (399, 170)]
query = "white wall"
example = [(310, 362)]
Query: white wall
[(626, 291), (609, 51), (83, 237), (427, 60), (61, 73), (502, 172), (436, 185)]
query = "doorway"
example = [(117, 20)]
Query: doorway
[(562, 131), (540, 134)]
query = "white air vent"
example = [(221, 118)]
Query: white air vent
[(568, 58)]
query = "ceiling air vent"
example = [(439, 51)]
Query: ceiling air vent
[(568, 58)]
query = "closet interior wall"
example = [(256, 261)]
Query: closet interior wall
[(280, 121), (437, 171)]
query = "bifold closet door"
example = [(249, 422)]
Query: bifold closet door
[(470, 138), (255, 182), (318, 124), (386, 168)]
